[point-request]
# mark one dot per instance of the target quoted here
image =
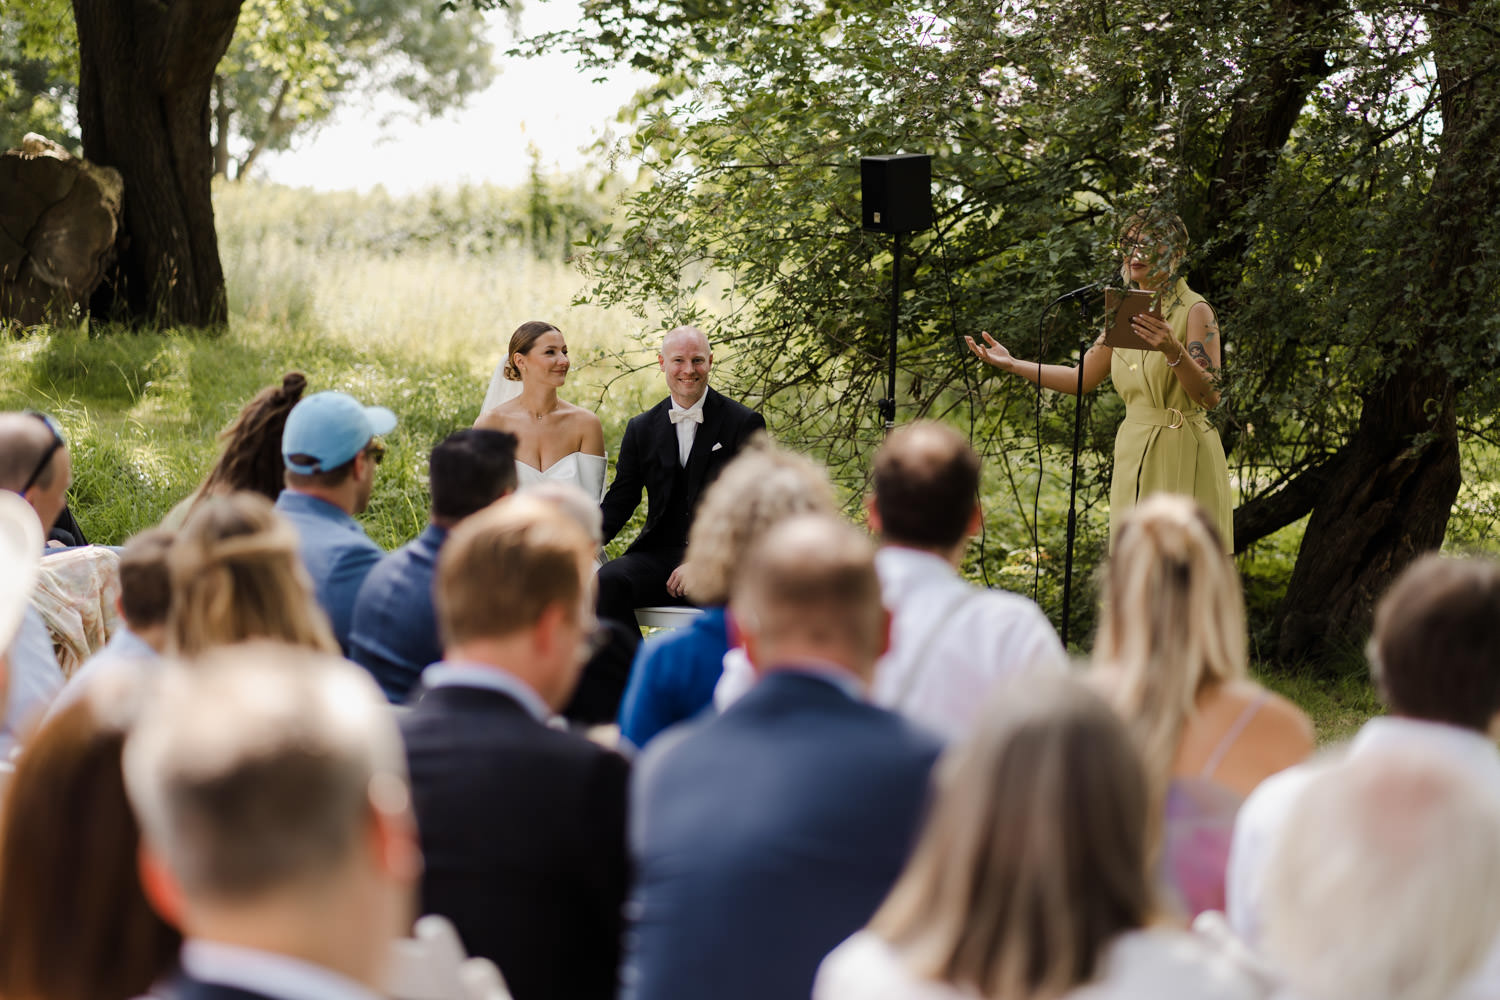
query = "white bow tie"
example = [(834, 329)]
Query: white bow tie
[(678, 416)]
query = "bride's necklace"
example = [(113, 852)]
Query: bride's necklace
[(534, 415)]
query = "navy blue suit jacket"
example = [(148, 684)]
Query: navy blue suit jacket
[(523, 835), (766, 836), (394, 634)]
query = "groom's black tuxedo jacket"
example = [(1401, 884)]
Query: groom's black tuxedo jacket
[(648, 457)]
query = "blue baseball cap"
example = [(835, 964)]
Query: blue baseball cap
[(331, 428)]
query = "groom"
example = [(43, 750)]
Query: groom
[(675, 449)]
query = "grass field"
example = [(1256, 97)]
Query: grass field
[(415, 323)]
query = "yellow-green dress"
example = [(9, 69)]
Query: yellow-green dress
[(1165, 443)]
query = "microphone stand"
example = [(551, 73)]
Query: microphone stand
[(888, 404), (1082, 296)]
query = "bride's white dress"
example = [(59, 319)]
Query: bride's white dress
[(584, 471)]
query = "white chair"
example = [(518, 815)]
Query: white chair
[(665, 617), (432, 965)]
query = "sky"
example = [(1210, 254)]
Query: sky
[(544, 101)]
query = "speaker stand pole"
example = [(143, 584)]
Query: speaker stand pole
[(888, 404), (1083, 304)]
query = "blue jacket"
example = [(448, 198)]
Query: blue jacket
[(394, 633), (336, 551), (673, 676), (765, 836)]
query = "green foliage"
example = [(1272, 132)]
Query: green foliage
[(38, 65)]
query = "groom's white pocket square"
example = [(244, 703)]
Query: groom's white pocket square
[(716, 446)]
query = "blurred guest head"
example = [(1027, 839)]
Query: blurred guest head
[(236, 575), (21, 553), (1034, 857), (572, 502), (77, 925), (1173, 621), (513, 589), (146, 585), (763, 486), (1382, 883), (926, 489), (808, 594), (270, 785), (35, 463), (469, 470), (252, 443), (1435, 651)]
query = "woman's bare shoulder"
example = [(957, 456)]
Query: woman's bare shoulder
[(498, 418)]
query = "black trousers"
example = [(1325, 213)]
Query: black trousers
[(637, 579)]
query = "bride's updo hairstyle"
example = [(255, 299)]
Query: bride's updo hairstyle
[(520, 343), (236, 575)]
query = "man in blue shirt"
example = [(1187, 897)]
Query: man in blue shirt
[(330, 446), (394, 633)]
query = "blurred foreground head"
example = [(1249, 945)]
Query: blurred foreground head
[(1435, 651), (76, 923), (808, 594), (763, 486), (926, 488), (1383, 882), (252, 443), (1034, 857), (236, 575), (1173, 621), (270, 785), (514, 590)]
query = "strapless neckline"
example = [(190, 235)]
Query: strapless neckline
[(560, 461)]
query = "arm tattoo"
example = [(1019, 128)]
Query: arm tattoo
[(1200, 354), (1211, 331)]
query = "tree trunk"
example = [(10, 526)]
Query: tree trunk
[(222, 115), (146, 71), (1395, 490)]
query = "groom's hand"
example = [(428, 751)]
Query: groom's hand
[(674, 583)]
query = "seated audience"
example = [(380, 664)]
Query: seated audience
[(765, 836), (1030, 878), (20, 552), (394, 632), (331, 447), (950, 641), (1435, 659), (272, 798), (145, 596), (34, 463), (523, 825), (674, 674), (1172, 655), (236, 576), (1381, 884), (76, 922), (251, 459)]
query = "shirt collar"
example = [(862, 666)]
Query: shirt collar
[(696, 407), (826, 671), (290, 499), (913, 562), (489, 678), (1467, 747), (267, 973)]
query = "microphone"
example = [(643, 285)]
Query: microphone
[(1083, 291)]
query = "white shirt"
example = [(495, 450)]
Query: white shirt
[(687, 430), (1264, 815), (951, 641), (1159, 964), (268, 973)]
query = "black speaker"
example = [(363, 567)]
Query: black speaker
[(896, 192)]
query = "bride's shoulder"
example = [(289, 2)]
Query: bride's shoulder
[(497, 418), (580, 414)]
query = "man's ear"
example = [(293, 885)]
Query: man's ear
[(661, 362), (159, 885), (976, 520), (872, 515), (393, 841)]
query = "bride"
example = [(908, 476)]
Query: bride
[(555, 440)]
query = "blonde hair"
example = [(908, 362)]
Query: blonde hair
[(257, 768), (236, 575), (1166, 227), (1035, 855), (763, 486), (504, 566), (1173, 623), (1382, 883)]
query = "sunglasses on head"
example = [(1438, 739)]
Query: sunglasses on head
[(57, 442)]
